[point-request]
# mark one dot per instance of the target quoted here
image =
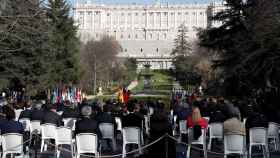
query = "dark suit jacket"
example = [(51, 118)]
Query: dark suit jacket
[(132, 120), (37, 115), (11, 126), (106, 118), (70, 113), (25, 114), (87, 125), (217, 117), (52, 117)]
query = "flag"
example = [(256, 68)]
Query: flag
[(120, 95)]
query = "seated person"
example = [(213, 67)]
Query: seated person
[(26, 114), (233, 125), (86, 124), (106, 117), (196, 119), (255, 119), (50, 116), (216, 116), (8, 125), (36, 113), (69, 111), (132, 119), (196, 122)]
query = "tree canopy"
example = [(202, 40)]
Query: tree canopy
[(247, 42), (38, 45)]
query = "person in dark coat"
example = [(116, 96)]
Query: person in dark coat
[(37, 114), (255, 119), (105, 116), (50, 116), (69, 111), (26, 113), (87, 124), (159, 126), (8, 125), (132, 119)]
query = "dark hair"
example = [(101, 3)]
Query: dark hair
[(50, 106), (130, 107), (105, 108), (9, 112)]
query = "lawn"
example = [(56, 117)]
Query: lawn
[(161, 83)]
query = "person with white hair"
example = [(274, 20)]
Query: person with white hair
[(86, 124)]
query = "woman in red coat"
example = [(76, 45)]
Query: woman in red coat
[(196, 119)]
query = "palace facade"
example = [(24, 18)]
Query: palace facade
[(145, 32)]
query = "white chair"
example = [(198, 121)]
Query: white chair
[(119, 124), (215, 132), (59, 112), (131, 135), (48, 131), (64, 137), (147, 124), (35, 127), (151, 110), (26, 123), (69, 122), (107, 131), (258, 136), (273, 133), (201, 141), (86, 143), (234, 144), (12, 144), (174, 124), (183, 128), (17, 112)]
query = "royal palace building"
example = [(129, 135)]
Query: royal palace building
[(145, 32)]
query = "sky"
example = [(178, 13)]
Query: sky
[(145, 1)]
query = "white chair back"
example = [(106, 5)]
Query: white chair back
[(119, 123), (234, 144), (273, 133), (131, 135), (64, 135), (258, 136), (151, 110), (69, 122), (26, 123), (59, 112), (147, 123), (12, 143), (201, 140), (107, 130), (183, 127), (48, 131), (86, 143), (35, 126), (273, 130), (216, 130)]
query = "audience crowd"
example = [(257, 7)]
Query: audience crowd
[(237, 117)]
